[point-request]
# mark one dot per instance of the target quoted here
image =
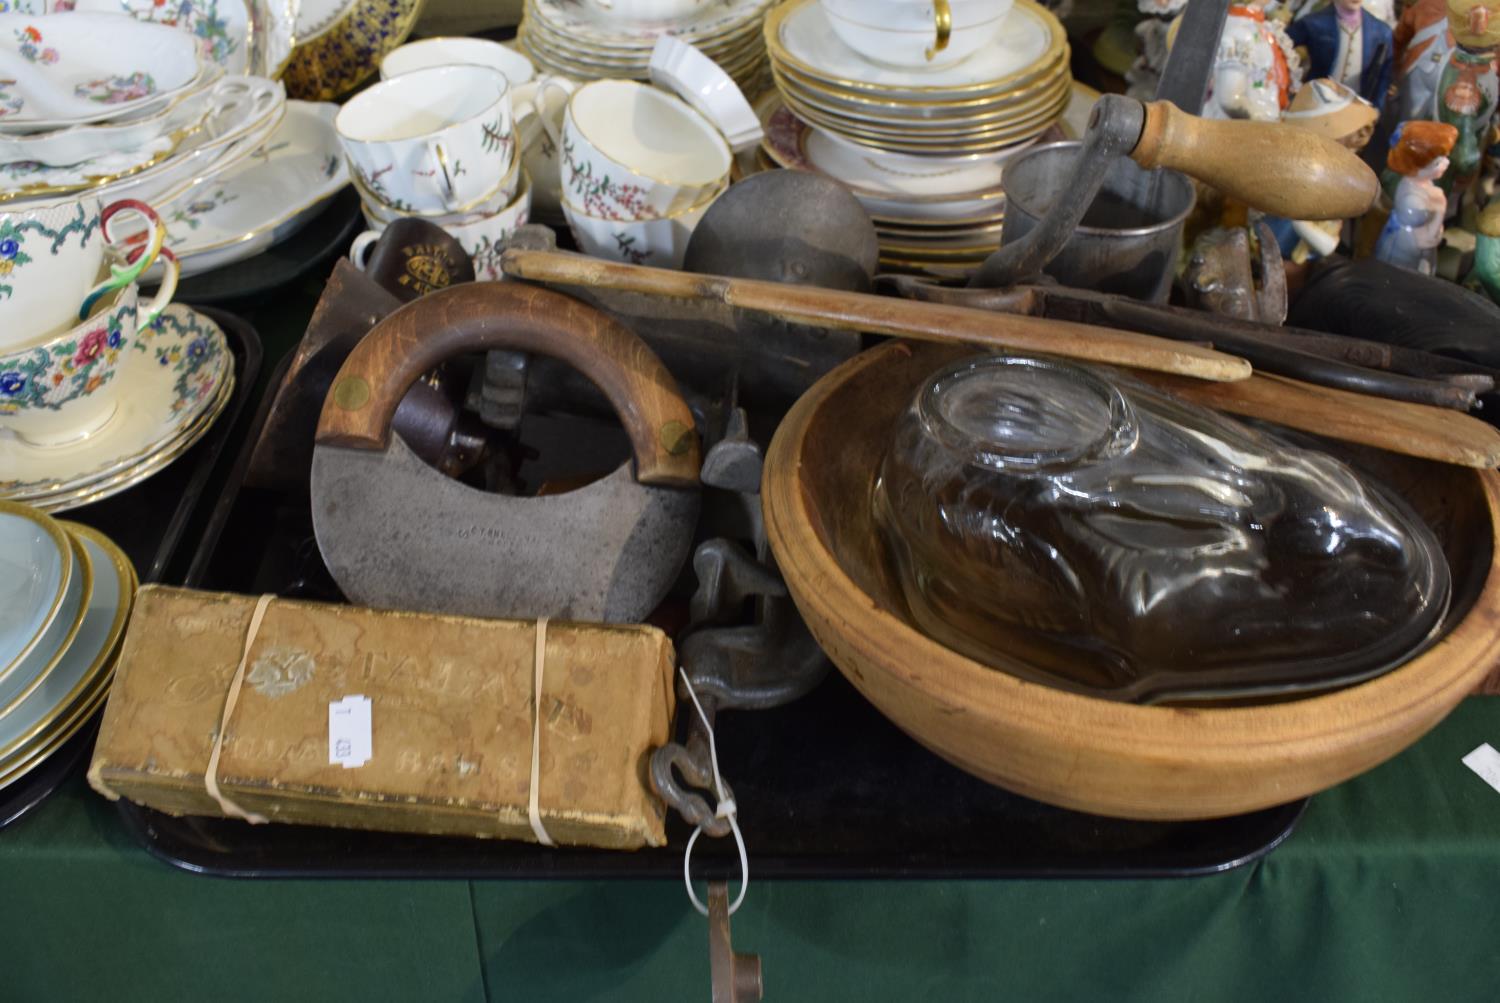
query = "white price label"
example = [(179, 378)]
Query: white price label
[(1485, 761), (349, 743)]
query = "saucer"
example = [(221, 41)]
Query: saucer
[(36, 567), (140, 470), (175, 366), (76, 683)]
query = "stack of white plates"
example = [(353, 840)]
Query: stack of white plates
[(922, 148), (181, 377), (1005, 94), (585, 41), (65, 595)]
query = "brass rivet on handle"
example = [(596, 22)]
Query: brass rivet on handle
[(352, 394), (676, 438)]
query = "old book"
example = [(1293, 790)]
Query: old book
[(450, 711)]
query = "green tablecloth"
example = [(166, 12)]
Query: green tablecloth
[(1389, 890)]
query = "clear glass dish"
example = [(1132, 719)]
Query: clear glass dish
[(1080, 529)]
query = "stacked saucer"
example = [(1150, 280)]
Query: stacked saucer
[(921, 144), (180, 377), (613, 39), (65, 595)]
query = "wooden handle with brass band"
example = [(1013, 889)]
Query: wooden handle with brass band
[(846, 311), (480, 316), (1275, 168)]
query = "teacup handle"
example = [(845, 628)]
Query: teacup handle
[(942, 16), (146, 315), (138, 260), (553, 129), (359, 250), (437, 153)]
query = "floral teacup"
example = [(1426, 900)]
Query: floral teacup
[(482, 237), (432, 140), (65, 388), (633, 152), (49, 258)]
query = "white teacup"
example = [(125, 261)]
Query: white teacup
[(481, 236), (432, 140), (430, 52), (649, 10), (660, 242), (49, 259), (916, 33), (67, 387), (633, 152), (491, 202)]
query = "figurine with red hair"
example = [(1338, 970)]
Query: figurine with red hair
[(1419, 153)]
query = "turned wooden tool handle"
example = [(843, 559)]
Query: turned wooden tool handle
[(1276, 168), (480, 316)]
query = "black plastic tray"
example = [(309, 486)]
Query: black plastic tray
[(826, 787), (324, 238), (150, 522)]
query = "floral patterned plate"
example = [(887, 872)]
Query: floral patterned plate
[(62, 69), (242, 36), (175, 367), (227, 218)]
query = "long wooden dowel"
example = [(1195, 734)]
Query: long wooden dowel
[(1410, 429), (846, 311)]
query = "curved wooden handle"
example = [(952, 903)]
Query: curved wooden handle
[(1272, 167), (478, 316)]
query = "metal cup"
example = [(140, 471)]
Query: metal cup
[(1128, 240)]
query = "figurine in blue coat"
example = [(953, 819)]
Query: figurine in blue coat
[(1350, 45)]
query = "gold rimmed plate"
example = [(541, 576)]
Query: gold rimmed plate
[(991, 111), (912, 141), (37, 572), (920, 109), (1056, 92)]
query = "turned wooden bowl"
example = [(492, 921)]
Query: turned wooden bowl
[(1077, 751)]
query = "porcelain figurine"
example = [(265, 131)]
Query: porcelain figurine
[(1348, 44), (1415, 227), (1151, 46), (1468, 88), (1256, 70), (1432, 80), (1485, 275), (1330, 109)]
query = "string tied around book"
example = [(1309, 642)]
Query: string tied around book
[(727, 809), (211, 774), (533, 809)]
